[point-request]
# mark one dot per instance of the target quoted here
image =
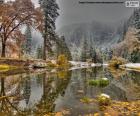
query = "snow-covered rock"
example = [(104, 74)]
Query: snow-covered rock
[(105, 79), (105, 95)]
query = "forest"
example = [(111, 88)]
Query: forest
[(47, 71)]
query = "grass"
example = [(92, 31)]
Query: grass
[(86, 100), (5, 67)]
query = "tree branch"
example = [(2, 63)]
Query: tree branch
[(11, 22), (18, 25)]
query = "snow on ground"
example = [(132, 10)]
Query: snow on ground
[(133, 65), (105, 64), (80, 65), (77, 63)]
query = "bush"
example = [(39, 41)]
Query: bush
[(100, 83), (104, 100), (93, 82), (116, 62), (62, 61), (103, 83)]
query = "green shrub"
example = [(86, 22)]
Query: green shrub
[(103, 83), (100, 82), (93, 82)]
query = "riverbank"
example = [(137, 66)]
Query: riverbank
[(7, 64), (20, 63), (131, 66)]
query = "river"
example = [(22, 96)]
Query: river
[(32, 94)]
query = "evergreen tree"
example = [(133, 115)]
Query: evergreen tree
[(94, 56), (62, 48), (91, 53), (137, 22), (110, 54), (28, 41), (125, 29), (50, 8), (135, 56), (84, 51), (39, 52), (106, 54)]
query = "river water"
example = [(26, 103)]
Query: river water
[(32, 94)]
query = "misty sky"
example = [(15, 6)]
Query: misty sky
[(72, 12)]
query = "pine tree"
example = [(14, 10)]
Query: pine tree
[(39, 52), (62, 48), (84, 51), (110, 54), (50, 8), (94, 56), (135, 56), (28, 41), (91, 53), (137, 21)]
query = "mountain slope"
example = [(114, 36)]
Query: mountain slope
[(97, 34)]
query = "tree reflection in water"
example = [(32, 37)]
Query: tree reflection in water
[(6, 106), (53, 85), (40, 94)]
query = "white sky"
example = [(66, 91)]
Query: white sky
[(71, 12)]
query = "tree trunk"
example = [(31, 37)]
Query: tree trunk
[(19, 54), (2, 93), (3, 50)]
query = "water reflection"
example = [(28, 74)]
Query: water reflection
[(39, 94)]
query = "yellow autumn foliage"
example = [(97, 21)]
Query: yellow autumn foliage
[(62, 61), (5, 67), (116, 62)]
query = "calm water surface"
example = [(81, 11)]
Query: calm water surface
[(39, 94)]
